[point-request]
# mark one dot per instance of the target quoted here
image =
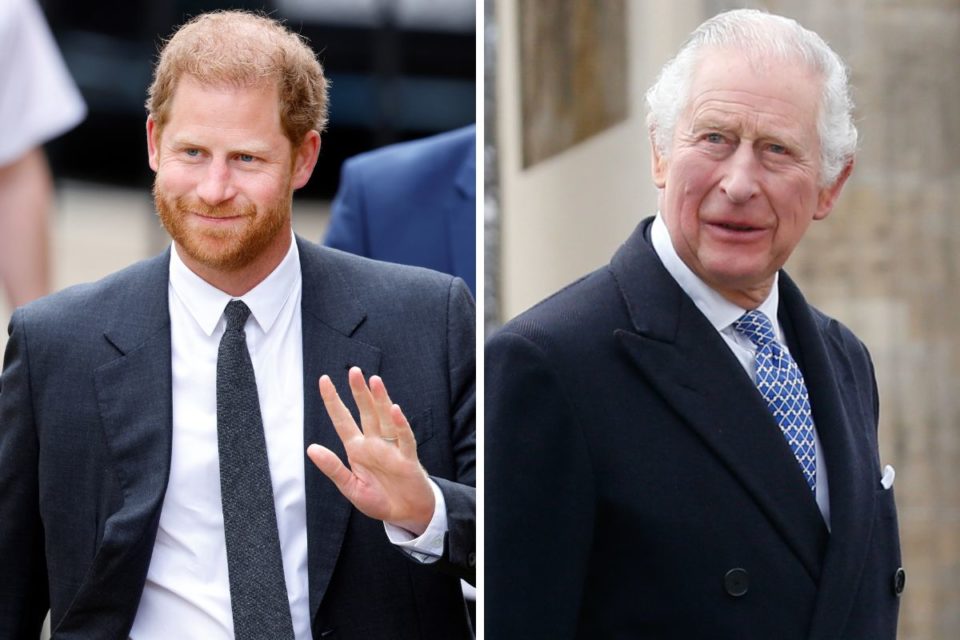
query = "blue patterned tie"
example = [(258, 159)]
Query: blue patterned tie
[(780, 382)]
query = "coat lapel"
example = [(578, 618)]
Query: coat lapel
[(851, 468), (330, 315), (682, 356), (133, 393)]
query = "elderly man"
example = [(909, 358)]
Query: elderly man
[(678, 444), (155, 426)]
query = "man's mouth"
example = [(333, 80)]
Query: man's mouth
[(737, 227), (219, 217)]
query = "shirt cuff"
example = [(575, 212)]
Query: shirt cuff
[(428, 546)]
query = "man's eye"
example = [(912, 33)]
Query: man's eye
[(714, 138), (778, 149), (193, 153), (245, 157)]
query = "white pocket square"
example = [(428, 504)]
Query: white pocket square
[(889, 473)]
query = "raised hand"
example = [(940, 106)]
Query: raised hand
[(384, 479)]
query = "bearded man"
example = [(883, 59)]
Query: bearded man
[(160, 429)]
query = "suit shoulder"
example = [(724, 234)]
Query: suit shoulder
[(841, 340), (588, 307), (377, 280), (839, 333), (78, 305), (442, 152)]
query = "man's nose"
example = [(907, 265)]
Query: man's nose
[(216, 185), (740, 180)]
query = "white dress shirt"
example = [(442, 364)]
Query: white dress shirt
[(187, 593), (722, 314)]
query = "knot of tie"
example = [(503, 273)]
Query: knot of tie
[(236, 314), (756, 327)]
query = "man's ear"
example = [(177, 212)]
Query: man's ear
[(305, 159), (658, 163), (828, 195), (153, 143)]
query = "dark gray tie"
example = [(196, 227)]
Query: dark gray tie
[(258, 593)]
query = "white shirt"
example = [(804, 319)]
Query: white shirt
[(187, 592), (722, 313), (38, 98)]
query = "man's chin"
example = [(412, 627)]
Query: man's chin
[(736, 269), (228, 246), (225, 254)]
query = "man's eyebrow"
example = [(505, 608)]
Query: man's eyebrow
[(249, 147), (181, 140), (256, 149)]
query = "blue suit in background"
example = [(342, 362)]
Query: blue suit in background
[(412, 203)]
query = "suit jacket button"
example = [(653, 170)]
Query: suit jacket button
[(736, 582), (899, 581)]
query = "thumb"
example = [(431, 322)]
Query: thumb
[(331, 466)]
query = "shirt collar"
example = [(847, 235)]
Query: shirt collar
[(206, 303), (719, 311)]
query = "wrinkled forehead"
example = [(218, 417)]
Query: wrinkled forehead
[(730, 93), (787, 80), (759, 58)]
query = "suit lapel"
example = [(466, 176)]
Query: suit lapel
[(133, 393), (330, 315), (850, 464), (682, 356)]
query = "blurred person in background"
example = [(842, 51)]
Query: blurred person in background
[(154, 481), (412, 203), (678, 445), (38, 101)]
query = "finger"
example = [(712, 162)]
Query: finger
[(343, 422), (381, 400), (331, 466), (405, 437), (369, 420)]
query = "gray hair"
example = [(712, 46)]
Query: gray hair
[(761, 36)]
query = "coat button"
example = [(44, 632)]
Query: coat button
[(899, 581), (736, 582)]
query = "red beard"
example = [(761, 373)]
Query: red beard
[(230, 247)]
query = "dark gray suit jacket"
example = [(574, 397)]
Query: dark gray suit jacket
[(638, 487), (85, 441)]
